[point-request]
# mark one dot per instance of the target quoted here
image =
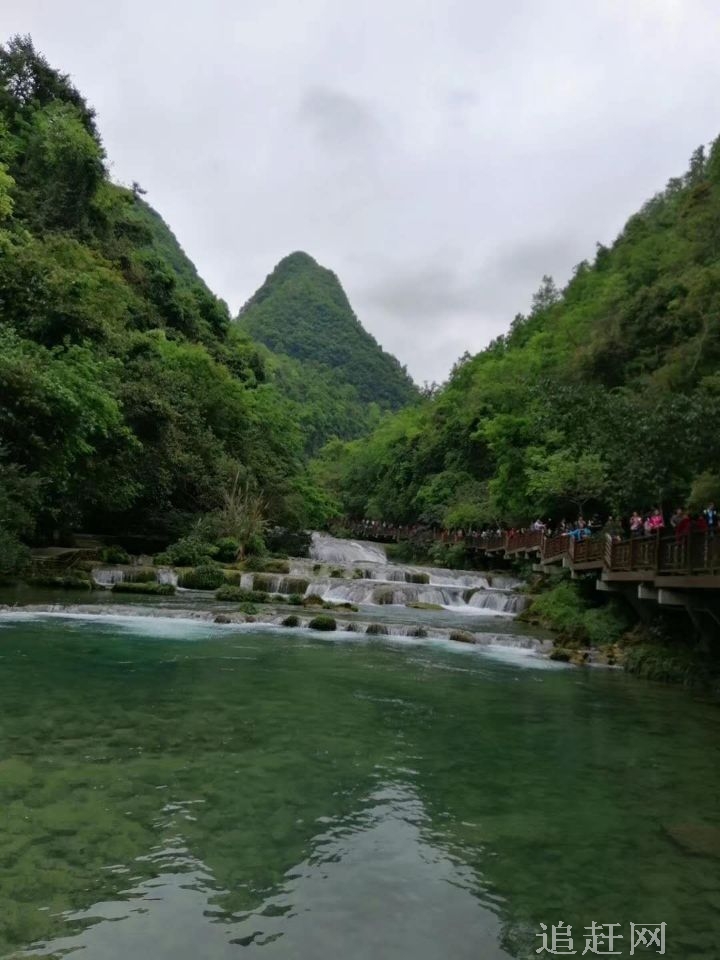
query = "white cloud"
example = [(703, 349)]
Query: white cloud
[(439, 157)]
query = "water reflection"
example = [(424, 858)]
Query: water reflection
[(371, 883)]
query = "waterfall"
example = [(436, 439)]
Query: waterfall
[(498, 601), (107, 576), (332, 550)]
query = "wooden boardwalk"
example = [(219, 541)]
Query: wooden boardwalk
[(689, 562)]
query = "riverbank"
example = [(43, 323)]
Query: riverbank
[(591, 628)]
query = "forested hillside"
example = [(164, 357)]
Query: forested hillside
[(606, 396), (128, 400), (325, 359)]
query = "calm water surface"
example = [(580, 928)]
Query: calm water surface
[(187, 791)]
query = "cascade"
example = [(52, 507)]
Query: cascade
[(107, 576), (332, 550), (353, 571)]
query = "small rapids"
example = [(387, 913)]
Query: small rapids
[(134, 617)]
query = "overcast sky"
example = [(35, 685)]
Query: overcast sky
[(438, 155)]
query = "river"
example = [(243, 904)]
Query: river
[(175, 788)]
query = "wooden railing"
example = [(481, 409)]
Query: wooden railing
[(695, 554), (528, 540), (591, 550), (554, 548)]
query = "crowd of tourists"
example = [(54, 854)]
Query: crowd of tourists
[(638, 524)]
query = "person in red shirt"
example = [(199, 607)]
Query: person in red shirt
[(683, 526), (700, 524)]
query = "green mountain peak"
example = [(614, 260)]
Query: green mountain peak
[(302, 311)]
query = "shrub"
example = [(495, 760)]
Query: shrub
[(277, 565), (606, 625), (14, 556), (323, 623), (255, 564), (317, 567), (153, 589), (114, 555), (248, 608), (227, 550), (67, 582), (188, 552), (232, 577), (358, 574), (206, 577), (255, 545), (238, 595), (337, 573), (377, 630), (560, 609), (291, 621), (295, 599)]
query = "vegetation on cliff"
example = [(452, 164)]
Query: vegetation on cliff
[(128, 400), (606, 395)]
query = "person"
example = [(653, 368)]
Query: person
[(676, 517), (613, 529), (636, 525), (682, 528), (700, 524), (711, 517), (656, 521)]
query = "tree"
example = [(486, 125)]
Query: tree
[(571, 475)]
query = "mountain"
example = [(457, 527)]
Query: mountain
[(301, 311), (606, 396)]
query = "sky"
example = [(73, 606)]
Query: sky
[(439, 156)]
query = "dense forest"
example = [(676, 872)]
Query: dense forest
[(606, 396), (129, 400), (322, 357)]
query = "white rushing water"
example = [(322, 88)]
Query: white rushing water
[(354, 571), (357, 572), (332, 550)]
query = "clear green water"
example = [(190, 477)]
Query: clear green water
[(187, 791)]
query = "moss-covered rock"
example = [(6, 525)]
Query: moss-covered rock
[(323, 623), (239, 595), (291, 621), (148, 589), (416, 577), (377, 630), (561, 654), (462, 636), (312, 600), (206, 577)]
